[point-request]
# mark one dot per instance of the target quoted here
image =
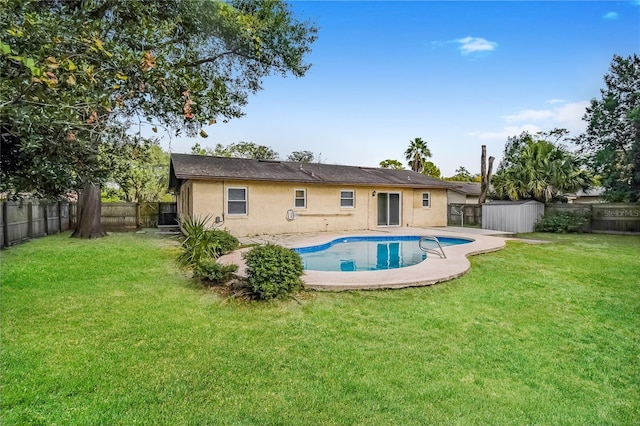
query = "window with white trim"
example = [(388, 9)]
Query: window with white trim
[(236, 201), (426, 200), (300, 198), (347, 199)]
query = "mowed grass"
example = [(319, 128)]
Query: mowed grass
[(107, 331)]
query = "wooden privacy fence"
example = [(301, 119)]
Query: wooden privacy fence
[(464, 214), (127, 216), (610, 218), (23, 220)]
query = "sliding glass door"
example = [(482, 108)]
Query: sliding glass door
[(389, 209)]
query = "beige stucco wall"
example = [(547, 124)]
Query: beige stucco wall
[(185, 200), (435, 215), (460, 198), (268, 203), (455, 197)]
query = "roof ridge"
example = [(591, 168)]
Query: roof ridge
[(192, 166)]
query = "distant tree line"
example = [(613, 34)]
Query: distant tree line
[(253, 151)]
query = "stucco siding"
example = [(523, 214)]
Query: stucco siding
[(185, 200), (435, 214), (208, 199), (455, 197), (268, 206)]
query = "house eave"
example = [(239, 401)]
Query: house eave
[(203, 168), (310, 182)]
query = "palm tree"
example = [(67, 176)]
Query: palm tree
[(417, 154), (542, 171)]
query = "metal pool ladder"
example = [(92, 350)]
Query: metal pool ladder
[(437, 251)]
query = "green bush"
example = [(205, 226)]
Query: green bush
[(226, 242), (198, 243), (563, 222), (203, 244), (273, 271), (211, 271)]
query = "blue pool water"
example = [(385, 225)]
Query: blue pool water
[(369, 253)]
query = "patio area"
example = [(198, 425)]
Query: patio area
[(431, 271)]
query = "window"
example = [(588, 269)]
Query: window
[(426, 199), (347, 199), (237, 201), (300, 198)]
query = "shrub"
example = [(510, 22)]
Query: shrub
[(226, 242), (273, 271), (198, 243), (211, 271), (202, 244), (563, 222)]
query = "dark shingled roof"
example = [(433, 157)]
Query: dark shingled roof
[(468, 188), (186, 166)]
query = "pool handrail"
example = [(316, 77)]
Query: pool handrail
[(432, 250)]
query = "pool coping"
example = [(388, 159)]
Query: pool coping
[(428, 272)]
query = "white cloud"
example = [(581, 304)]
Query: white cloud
[(610, 16), (567, 115), (570, 116), (529, 115), (470, 45), (506, 132), (556, 101)]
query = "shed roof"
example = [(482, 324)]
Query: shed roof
[(510, 202), (187, 166)]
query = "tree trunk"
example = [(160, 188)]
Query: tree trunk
[(489, 173), (483, 175), (89, 223)]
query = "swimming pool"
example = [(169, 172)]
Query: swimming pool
[(367, 253)]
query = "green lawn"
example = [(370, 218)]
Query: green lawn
[(107, 331)]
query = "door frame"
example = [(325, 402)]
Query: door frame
[(387, 194)]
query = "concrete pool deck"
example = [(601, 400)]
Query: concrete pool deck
[(431, 271)]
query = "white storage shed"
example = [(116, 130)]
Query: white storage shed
[(512, 216)]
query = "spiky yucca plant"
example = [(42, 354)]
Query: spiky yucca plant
[(199, 242)]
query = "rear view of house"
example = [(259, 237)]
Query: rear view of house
[(251, 197)]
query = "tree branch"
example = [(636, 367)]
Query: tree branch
[(215, 58), (20, 95)]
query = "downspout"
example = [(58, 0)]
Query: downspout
[(224, 196)]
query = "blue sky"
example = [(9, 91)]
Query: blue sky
[(457, 74)]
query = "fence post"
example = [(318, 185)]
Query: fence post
[(5, 225), (138, 215), (73, 214), (46, 217), (59, 208), (29, 219)]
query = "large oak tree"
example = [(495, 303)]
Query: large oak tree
[(75, 74)]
